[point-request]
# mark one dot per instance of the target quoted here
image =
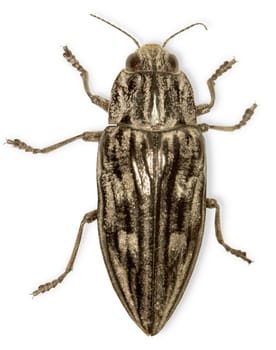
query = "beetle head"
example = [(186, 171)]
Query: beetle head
[(152, 57)]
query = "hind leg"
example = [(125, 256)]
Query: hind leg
[(213, 204), (88, 218)]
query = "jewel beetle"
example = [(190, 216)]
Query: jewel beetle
[(151, 179)]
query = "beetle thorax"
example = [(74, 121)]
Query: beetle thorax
[(151, 92)]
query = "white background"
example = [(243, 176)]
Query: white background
[(228, 304)]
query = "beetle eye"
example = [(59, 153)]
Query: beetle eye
[(173, 62), (133, 62)]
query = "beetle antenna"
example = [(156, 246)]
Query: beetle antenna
[(113, 25), (182, 30)]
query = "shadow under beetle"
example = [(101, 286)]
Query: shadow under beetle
[(151, 177)]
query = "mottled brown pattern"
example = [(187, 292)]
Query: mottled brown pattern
[(153, 94), (133, 99), (151, 213), (151, 184)]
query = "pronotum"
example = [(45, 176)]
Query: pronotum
[(151, 177)]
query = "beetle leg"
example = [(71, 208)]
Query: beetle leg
[(205, 108), (92, 136), (212, 203), (245, 118), (86, 136), (88, 218), (98, 100)]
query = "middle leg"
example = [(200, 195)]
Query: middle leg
[(86, 136), (245, 118)]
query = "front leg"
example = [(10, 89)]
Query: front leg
[(98, 100), (86, 136), (205, 108)]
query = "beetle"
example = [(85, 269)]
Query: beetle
[(151, 179)]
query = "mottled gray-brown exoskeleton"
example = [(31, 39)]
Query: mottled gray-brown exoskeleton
[(151, 177)]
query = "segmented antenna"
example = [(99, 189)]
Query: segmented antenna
[(113, 25), (182, 30)]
